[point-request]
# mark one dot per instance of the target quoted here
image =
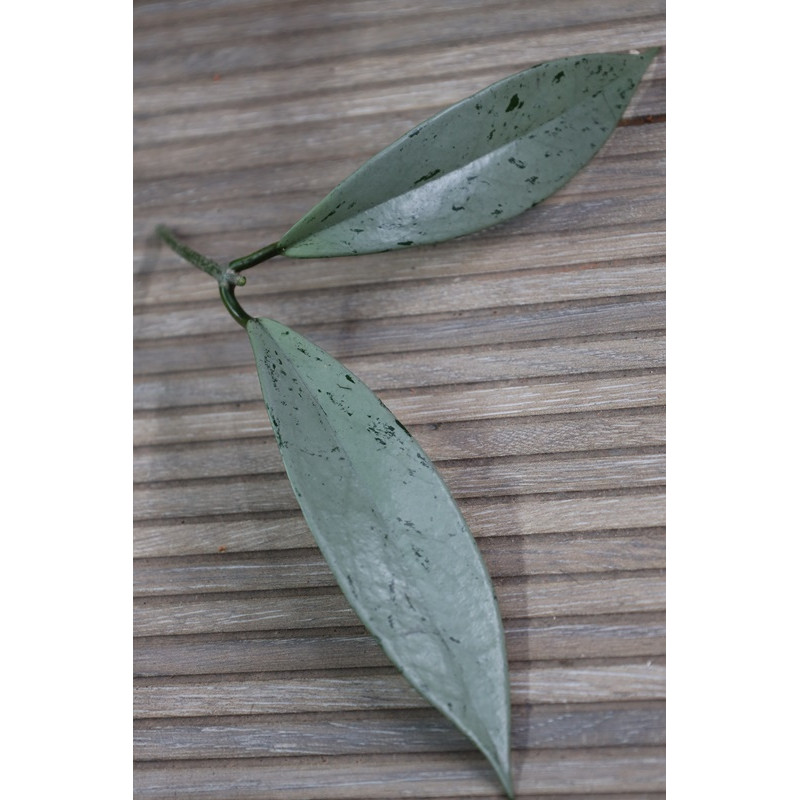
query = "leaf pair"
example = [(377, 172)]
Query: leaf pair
[(381, 514)]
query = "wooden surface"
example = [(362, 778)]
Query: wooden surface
[(527, 359)]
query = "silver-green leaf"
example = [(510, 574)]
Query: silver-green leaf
[(481, 161), (392, 534)]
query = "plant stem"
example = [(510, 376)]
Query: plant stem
[(192, 256), (232, 304), (245, 262), (227, 279)]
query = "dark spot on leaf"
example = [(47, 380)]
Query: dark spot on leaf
[(414, 133), (349, 378), (557, 78), (405, 244), (516, 162), (513, 103), (457, 208), (532, 179), (427, 177)]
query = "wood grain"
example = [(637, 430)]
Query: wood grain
[(376, 689), (527, 359), (599, 636)]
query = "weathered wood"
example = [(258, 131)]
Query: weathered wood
[(528, 359), (489, 438), (544, 639), (420, 101), (425, 369), (541, 596), (299, 569), (503, 323), (631, 161), (374, 732), (511, 516), (510, 476), (501, 399), (579, 771), (557, 267), (411, 298), (382, 689), (269, 20)]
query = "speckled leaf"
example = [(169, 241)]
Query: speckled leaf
[(392, 534), (480, 161)]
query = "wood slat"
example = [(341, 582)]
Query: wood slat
[(630, 172), (383, 690), (522, 515), (256, 41), (249, 19), (424, 368), (576, 395), (501, 477), (471, 328), (327, 607), (635, 245), (298, 569), (420, 101), (375, 732), (597, 771), (488, 438), (631, 160), (363, 316), (599, 636), (262, 85)]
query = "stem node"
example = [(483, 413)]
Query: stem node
[(227, 279)]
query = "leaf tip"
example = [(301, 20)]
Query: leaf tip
[(647, 55)]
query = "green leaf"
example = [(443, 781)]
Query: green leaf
[(392, 534), (477, 163)]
